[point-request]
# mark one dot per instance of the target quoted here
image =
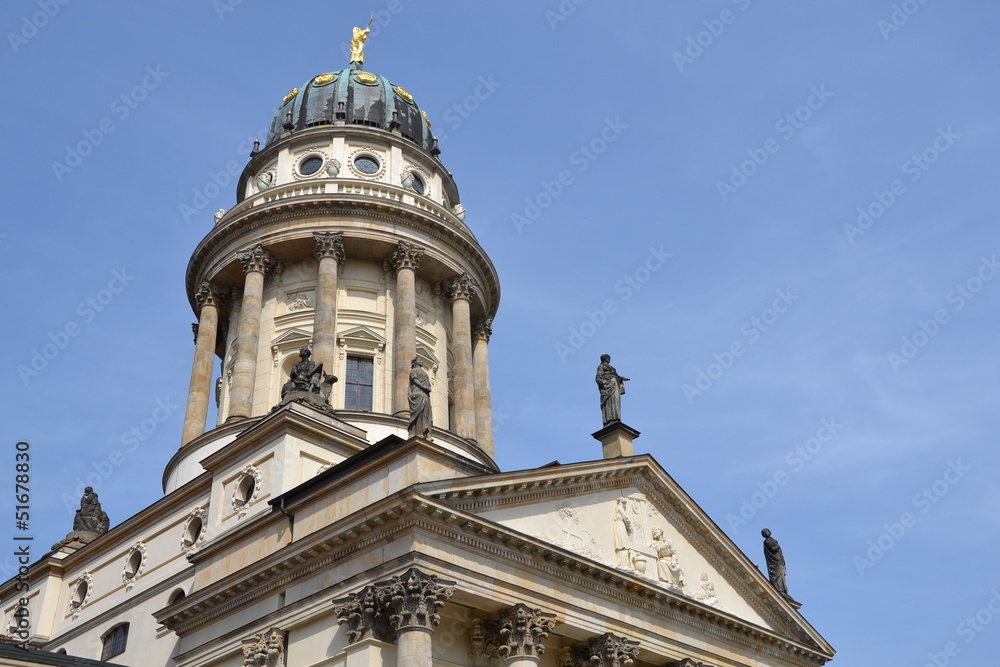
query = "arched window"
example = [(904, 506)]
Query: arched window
[(176, 596), (114, 641)]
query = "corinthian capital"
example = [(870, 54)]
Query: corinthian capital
[(462, 287), (413, 599), (483, 329), (364, 615), (330, 244), (522, 630), (405, 256), (610, 650), (210, 295), (256, 259)]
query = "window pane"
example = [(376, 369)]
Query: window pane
[(358, 384)]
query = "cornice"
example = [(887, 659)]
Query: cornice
[(393, 213), (408, 511)]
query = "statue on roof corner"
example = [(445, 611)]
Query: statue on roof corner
[(90, 517), (358, 38), (611, 386), (775, 563)]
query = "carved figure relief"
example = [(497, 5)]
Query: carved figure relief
[(623, 534), (707, 593), (668, 570), (299, 301), (264, 181)]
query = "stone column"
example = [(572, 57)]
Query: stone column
[(256, 263), (413, 601), (461, 290), (481, 383), (207, 298), (404, 261), (405, 607), (330, 253)]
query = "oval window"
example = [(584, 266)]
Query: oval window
[(311, 165)]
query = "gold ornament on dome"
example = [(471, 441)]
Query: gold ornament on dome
[(293, 93), (404, 94), (324, 79), (428, 120), (367, 77)]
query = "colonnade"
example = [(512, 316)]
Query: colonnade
[(471, 392)]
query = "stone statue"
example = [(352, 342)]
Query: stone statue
[(307, 376), (420, 400), (264, 181), (707, 594), (90, 517), (668, 570), (358, 37), (622, 534), (612, 386), (775, 563)]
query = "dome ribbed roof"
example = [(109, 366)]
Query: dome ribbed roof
[(357, 97)]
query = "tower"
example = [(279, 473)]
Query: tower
[(348, 236)]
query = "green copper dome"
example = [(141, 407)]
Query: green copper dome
[(357, 98)]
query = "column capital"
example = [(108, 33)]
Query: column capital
[(209, 294), (414, 599), (266, 649), (364, 615), (608, 650), (483, 329), (256, 259), (405, 256), (330, 244), (462, 287), (522, 630)]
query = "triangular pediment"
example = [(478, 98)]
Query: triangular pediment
[(628, 515), (293, 335), (426, 353), (361, 334)]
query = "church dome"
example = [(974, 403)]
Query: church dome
[(357, 98)]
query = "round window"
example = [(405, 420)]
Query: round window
[(133, 564), (366, 164), (79, 594), (417, 185), (245, 489), (193, 531), (311, 165)]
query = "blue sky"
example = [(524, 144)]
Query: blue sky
[(817, 355)]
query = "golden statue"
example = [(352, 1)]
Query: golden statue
[(358, 42)]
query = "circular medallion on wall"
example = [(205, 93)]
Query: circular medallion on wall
[(246, 489)]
